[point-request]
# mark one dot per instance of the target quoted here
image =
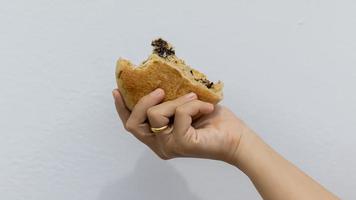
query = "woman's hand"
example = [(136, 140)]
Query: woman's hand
[(206, 131), (200, 129)]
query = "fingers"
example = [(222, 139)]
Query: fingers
[(159, 115), (124, 114), (121, 109), (184, 109), (185, 113), (138, 114), (135, 123)]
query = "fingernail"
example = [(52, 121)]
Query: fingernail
[(191, 95), (157, 92)]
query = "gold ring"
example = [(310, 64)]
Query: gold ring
[(160, 129)]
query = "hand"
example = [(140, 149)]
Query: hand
[(200, 129), (206, 131)]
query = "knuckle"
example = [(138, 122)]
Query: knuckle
[(195, 101), (151, 112), (180, 110), (143, 99), (129, 126)]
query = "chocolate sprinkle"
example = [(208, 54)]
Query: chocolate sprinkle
[(206, 82), (162, 48)]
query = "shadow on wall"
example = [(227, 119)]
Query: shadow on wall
[(151, 179)]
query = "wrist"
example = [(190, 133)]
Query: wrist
[(249, 142)]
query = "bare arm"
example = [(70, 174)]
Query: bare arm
[(273, 176)]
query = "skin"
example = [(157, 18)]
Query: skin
[(203, 130)]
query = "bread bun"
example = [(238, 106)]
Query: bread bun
[(163, 70)]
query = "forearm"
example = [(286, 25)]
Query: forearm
[(273, 176)]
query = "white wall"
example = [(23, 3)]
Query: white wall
[(289, 69)]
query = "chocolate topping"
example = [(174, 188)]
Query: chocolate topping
[(204, 81), (162, 48), (165, 50)]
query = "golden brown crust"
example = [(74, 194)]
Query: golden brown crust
[(136, 82)]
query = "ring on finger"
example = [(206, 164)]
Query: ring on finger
[(164, 129)]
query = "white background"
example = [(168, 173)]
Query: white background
[(289, 69)]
